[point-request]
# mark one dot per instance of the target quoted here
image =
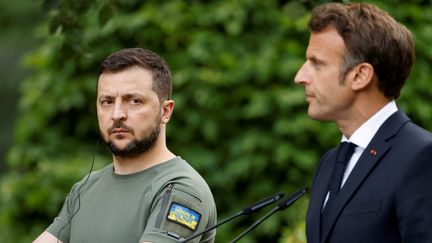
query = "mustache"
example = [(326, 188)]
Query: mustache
[(120, 125)]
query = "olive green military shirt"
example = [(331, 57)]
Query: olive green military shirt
[(165, 203)]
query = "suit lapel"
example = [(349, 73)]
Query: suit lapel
[(318, 195), (370, 157)]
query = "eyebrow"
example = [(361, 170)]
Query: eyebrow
[(315, 59), (127, 95)]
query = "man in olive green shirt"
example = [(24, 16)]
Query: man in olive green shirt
[(147, 194)]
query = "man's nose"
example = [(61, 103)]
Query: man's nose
[(119, 112), (301, 76)]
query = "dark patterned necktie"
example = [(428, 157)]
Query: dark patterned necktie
[(344, 154)]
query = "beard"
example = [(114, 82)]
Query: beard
[(138, 145)]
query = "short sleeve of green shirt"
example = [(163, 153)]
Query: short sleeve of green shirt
[(60, 228), (179, 212)]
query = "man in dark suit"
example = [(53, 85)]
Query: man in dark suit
[(377, 185)]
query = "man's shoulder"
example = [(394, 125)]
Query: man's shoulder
[(179, 168), (181, 174), (92, 177), (415, 133), (400, 126)]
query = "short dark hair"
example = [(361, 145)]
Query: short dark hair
[(149, 60), (371, 35)]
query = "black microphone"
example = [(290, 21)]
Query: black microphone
[(281, 206), (246, 211)]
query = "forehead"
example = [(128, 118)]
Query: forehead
[(326, 44), (133, 79)]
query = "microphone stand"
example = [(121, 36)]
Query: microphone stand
[(246, 211), (214, 226), (284, 204)]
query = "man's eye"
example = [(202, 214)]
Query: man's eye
[(314, 62), (106, 102), (135, 101)]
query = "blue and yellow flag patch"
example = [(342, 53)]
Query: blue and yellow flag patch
[(184, 216)]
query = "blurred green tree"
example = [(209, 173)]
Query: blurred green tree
[(17, 20), (239, 118)]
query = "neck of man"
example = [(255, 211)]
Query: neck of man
[(365, 106), (157, 154)]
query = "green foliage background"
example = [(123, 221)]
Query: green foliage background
[(239, 118)]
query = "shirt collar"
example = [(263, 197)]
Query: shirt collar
[(364, 134)]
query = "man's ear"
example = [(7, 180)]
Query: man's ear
[(363, 76), (167, 110)]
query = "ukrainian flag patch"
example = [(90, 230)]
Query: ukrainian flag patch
[(184, 216)]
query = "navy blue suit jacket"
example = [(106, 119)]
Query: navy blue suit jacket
[(387, 197)]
